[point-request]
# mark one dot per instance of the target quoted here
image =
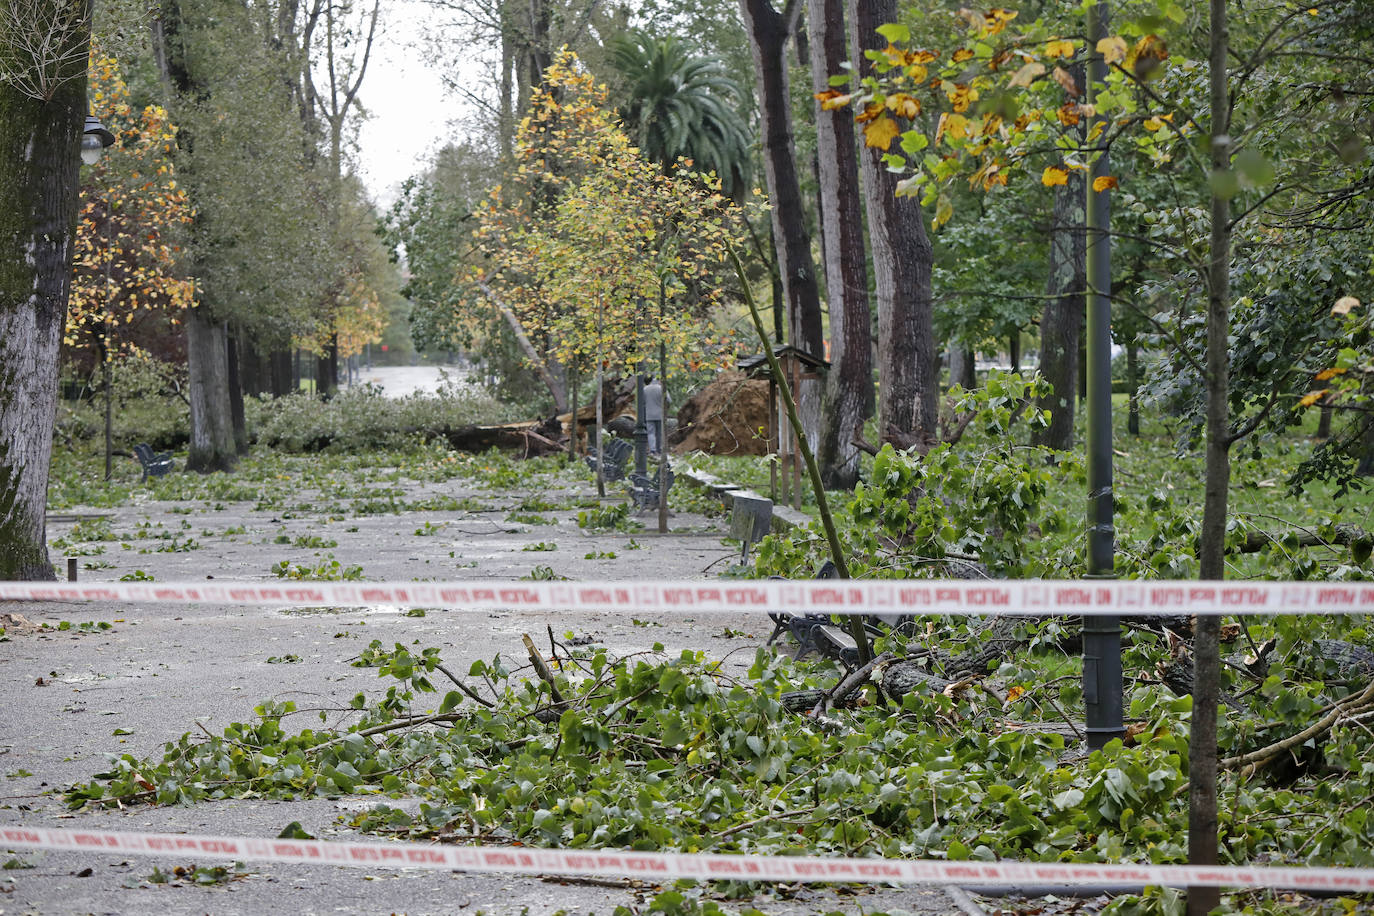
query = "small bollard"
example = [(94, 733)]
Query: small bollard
[(750, 520), (71, 569)]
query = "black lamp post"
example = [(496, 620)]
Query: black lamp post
[(94, 139), (1102, 678)]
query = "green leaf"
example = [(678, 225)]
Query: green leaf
[(913, 141), (294, 831), (894, 32)]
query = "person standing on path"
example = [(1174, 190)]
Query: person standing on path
[(653, 413)]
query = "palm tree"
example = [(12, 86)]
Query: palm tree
[(679, 105)]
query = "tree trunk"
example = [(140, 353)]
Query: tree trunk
[(572, 422), (39, 183), (282, 378), (849, 385), (1014, 351), (235, 391), (768, 33), (535, 53), (908, 373), (212, 428), (963, 365), (327, 369), (1202, 745), (506, 96), (1061, 325), (1324, 422), (1082, 369)]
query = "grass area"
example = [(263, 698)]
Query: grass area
[(1159, 488)]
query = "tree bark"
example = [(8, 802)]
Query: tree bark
[(768, 33), (282, 377), (1202, 744), (849, 385), (1061, 324), (252, 366), (212, 445), (327, 369), (39, 184), (963, 367), (235, 391), (908, 373), (1324, 423)]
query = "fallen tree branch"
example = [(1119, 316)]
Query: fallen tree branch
[(556, 388), (466, 689), (850, 683), (765, 819), (395, 725), (1249, 763), (543, 671)]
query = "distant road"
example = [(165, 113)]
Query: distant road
[(399, 381)]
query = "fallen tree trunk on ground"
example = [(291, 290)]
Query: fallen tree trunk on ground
[(1343, 535), (530, 438)]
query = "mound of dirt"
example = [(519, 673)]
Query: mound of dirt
[(727, 417)]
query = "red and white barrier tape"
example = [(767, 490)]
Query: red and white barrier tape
[(852, 596), (670, 866)]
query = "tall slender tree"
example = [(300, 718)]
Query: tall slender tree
[(849, 385), (769, 31), (261, 247), (1061, 325)]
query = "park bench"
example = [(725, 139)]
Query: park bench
[(612, 456), (155, 464), (644, 488), (820, 633)]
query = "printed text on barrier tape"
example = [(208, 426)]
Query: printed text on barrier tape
[(1024, 596), (670, 866)]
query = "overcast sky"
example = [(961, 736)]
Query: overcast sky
[(405, 99)]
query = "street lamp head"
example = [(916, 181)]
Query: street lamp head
[(94, 139)]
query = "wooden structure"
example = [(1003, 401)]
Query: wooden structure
[(797, 366)]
